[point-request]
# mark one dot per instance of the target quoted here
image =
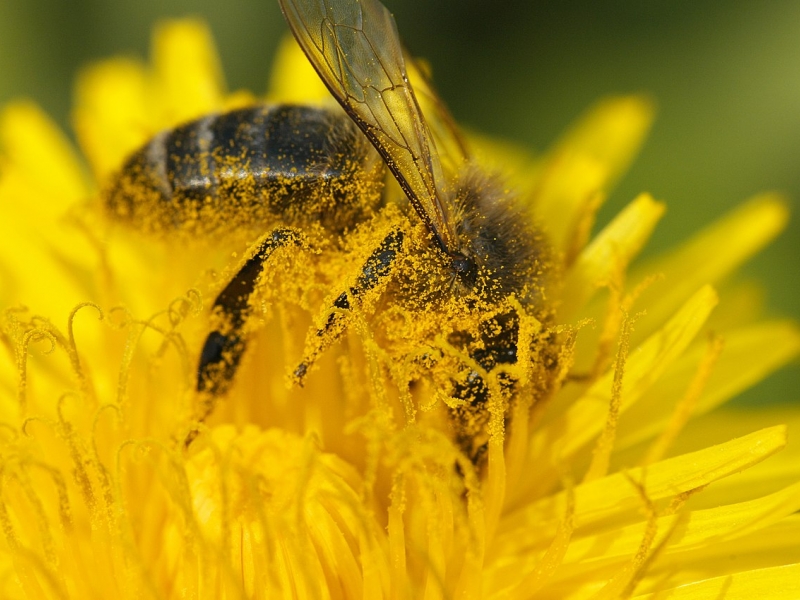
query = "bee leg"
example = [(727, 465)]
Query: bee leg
[(374, 271), (224, 346)]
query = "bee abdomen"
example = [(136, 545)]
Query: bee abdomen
[(235, 169)]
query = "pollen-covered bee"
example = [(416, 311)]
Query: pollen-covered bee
[(457, 290)]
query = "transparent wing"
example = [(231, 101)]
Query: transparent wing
[(355, 48), (452, 147)]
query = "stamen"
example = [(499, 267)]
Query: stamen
[(33, 335), (67, 432), (554, 555), (72, 349), (685, 407), (601, 455), (619, 586)]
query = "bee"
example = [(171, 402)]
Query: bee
[(461, 261)]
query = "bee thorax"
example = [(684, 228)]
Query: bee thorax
[(502, 250)]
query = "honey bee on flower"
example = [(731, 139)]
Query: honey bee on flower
[(462, 256), (402, 417)]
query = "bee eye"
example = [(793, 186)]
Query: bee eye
[(464, 268)]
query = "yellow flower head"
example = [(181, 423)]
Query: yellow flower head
[(400, 439)]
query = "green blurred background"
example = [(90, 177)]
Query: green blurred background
[(726, 76)]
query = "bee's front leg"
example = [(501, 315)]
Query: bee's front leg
[(374, 272)]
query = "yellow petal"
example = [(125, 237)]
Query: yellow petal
[(293, 79), (690, 530), (187, 71), (113, 113), (587, 162), (595, 559), (772, 583), (37, 153), (613, 498), (768, 546), (611, 132), (750, 354), (708, 257), (781, 470), (611, 250), (585, 417), (743, 302), (568, 191), (41, 181)]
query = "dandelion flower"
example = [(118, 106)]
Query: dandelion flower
[(605, 475)]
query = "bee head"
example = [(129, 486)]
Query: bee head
[(464, 268), (500, 252)]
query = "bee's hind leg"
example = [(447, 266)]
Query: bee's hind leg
[(224, 347), (373, 273)]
